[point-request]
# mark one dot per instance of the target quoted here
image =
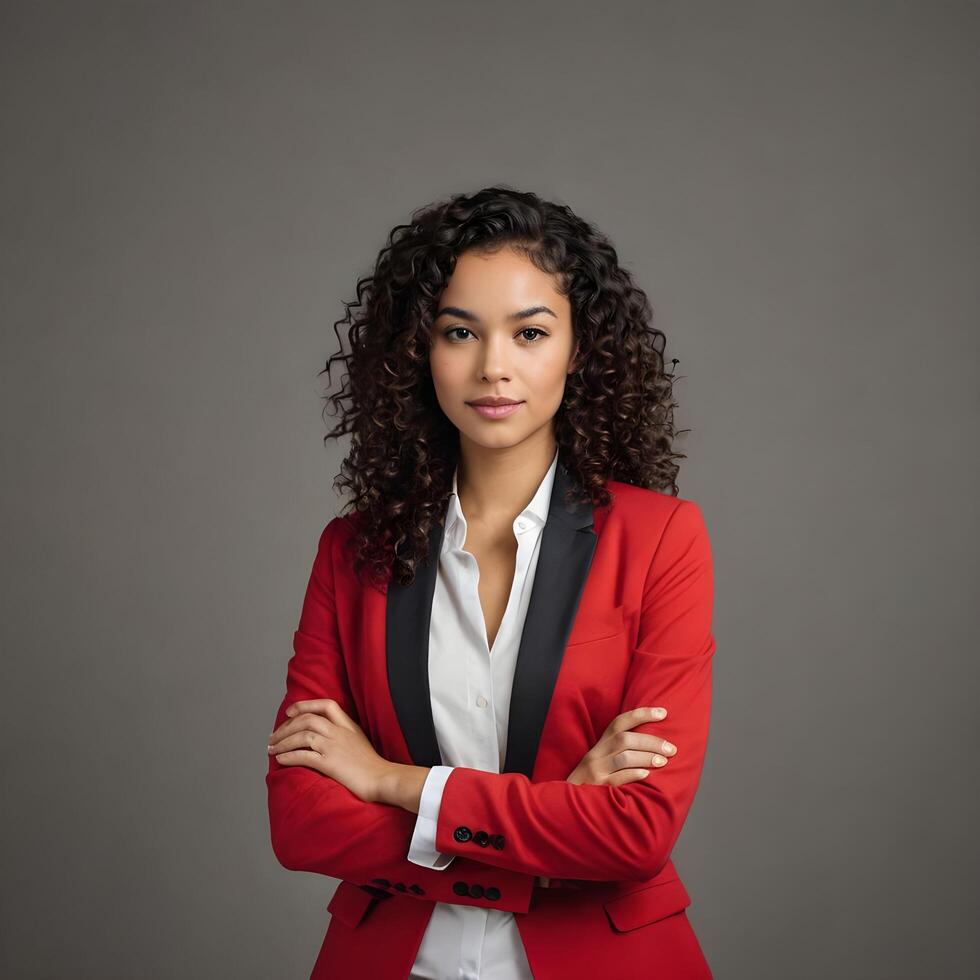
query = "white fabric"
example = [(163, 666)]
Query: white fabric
[(470, 687)]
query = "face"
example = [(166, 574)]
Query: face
[(501, 329)]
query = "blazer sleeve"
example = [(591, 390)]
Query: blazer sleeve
[(612, 833), (317, 824)]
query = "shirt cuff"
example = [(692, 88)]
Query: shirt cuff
[(422, 850)]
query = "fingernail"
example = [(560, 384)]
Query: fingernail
[(669, 748), (659, 760), (658, 712), (269, 748)]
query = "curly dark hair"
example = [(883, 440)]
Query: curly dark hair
[(615, 421)]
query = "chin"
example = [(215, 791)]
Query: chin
[(499, 439)]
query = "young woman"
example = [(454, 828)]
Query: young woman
[(497, 709)]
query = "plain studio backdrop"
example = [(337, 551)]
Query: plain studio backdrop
[(189, 193)]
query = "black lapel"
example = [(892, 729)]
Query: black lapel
[(564, 558), (407, 615)]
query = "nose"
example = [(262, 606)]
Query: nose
[(494, 365)]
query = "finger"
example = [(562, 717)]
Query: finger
[(303, 722), (652, 743), (305, 740), (638, 716), (627, 776), (635, 758), (295, 709), (338, 716), (317, 706)]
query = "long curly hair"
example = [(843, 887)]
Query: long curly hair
[(615, 421)]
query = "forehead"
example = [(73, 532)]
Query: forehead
[(498, 284)]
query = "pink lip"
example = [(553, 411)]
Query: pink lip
[(496, 411)]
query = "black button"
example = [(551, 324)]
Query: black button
[(384, 882), (498, 841), (401, 886), (418, 889), (482, 838), (492, 893), (462, 834), (461, 888), (476, 891)]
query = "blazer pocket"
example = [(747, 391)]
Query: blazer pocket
[(350, 903), (647, 905), (597, 626)]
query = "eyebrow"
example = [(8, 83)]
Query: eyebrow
[(473, 318)]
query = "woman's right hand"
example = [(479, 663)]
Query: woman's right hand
[(622, 755)]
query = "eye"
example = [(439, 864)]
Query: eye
[(536, 330), (452, 333)]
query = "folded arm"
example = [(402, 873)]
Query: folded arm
[(611, 833), (319, 825)]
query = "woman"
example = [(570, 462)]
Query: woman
[(497, 709)]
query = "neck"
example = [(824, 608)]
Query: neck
[(495, 485)]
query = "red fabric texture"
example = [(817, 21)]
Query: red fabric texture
[(621, 910)]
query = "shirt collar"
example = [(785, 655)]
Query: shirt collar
[(536, 511)]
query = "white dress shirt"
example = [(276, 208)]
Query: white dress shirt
[(470, 687)]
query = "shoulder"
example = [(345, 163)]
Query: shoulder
[(657, 529), (654, 511), (337, 532), (666, 536)]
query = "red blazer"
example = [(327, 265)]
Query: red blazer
[(619, 617)]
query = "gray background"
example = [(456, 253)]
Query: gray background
[(191, 190)]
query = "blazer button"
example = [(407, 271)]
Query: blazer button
[(498, 841), (462, 834), (384, 882), (476, 891), (418, 889), (492, 893), (401, 886), (461, 888), (482, 838)]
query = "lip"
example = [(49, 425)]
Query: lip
[(495, 411), (494, 400)]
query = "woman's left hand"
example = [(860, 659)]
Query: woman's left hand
[(322, 736)]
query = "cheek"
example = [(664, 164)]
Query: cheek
[(436, 361), (546, 380), (447, 372), (450, 383)]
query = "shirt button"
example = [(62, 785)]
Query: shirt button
[(521, 525), (481, 701)]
